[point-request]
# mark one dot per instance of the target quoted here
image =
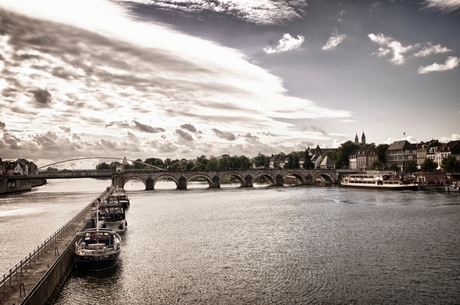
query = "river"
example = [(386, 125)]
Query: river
[(264, 245)]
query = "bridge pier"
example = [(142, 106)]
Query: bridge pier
[(215, 184), (182, 185), (279, 180), (248, 181), (149, 184)]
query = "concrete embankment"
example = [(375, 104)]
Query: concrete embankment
[(40, 274), (13, 186)]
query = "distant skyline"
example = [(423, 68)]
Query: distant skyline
[(181, 79)]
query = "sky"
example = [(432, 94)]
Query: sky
[(185, 78)]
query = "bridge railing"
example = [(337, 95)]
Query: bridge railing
[(19, 268)]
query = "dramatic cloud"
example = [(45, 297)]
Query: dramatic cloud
[(390, 47), (334, 41), (264, 12), (287, 43), (442, 5), (430, 49), (450, 64)]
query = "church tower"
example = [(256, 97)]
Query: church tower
[(356, 139), (363, 139)]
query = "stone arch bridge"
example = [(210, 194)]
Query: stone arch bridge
[(275, 177)]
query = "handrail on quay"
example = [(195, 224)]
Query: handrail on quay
[(17, 270)]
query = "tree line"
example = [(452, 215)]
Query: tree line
[(340, 157)]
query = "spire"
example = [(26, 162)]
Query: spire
[(363, 139), (356, 138)]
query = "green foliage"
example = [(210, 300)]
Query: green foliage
[(381, 151), (244, 162), (102, 166), (343, 153), (376, 165), (394, 167), (293, 161), (428, 165), (212, 164), (308, 164), (410, 167), (450, 164), (262, 161)]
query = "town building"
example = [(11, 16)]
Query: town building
[(400, 153), (363, 157), (426, 150)]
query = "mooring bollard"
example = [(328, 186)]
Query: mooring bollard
[(22, 289)]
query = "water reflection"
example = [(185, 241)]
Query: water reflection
[(304, 245)]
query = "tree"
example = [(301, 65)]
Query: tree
[(450, 164), (410, 166), (138, 164), (154, 162), (262, 161), (223, 163), (376, 165), (293, 161), (428, 165), (381, 152), (201, 163), (102, 166), (244, 162), (212, 164), (167, 164), (344, 151), (394, 167), (308, 164)]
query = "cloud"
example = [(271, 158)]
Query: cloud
[(334, 41), (263, 12), (147, 128), (449, 64), (184, 135), (42, 97), (87, 70), (319, 129), (430, 49), (446, 6), (224, 135), (390, 46), (287, 43), (189, 127)]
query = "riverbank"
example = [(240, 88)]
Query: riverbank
[(41, 273), (8, 186)]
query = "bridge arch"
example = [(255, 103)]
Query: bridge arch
[(242, 179), (299, 176), (265, 175), (200, 175), (325, 177)]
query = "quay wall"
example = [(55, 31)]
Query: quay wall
[(55, 277), (38, 278), (51, 283), (13, 186)]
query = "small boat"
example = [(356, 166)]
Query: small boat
[(378, 180), (112, 215), (119, 196), (97, 249)]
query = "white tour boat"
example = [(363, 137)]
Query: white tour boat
[(380, 180)]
